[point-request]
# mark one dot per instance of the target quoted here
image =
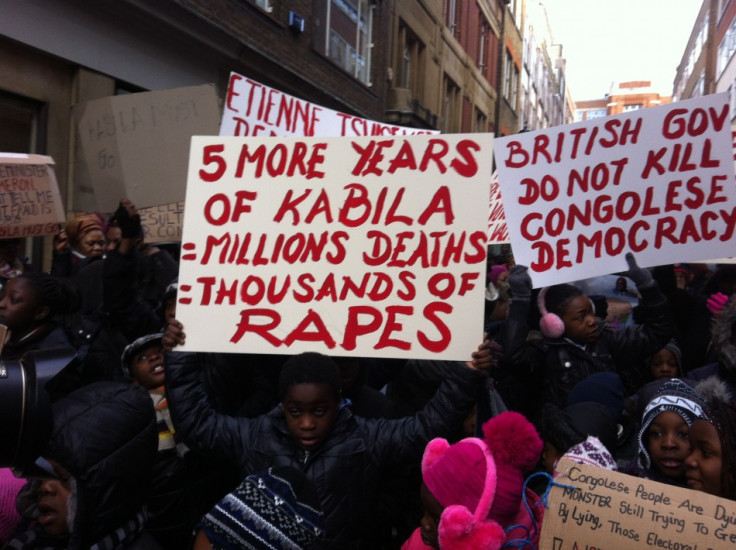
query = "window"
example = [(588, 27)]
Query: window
[(483, 44), (451, 15), (699, 90), (451, 107), (19, 119), (480, 123), (726, 48), (349, 36), (410, 64), (510, 81), (265, 5), (632, 107), (595, 113)]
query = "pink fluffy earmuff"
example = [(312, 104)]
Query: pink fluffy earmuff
[(459, 527), (551, 325)]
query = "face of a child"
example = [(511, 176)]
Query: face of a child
[(550, 455), (668, 444), (664, 364), (704, 462), (20, 310), (91, 244), (147, 366), (53, 503), (310, 410), (581, 324), (431, 519)]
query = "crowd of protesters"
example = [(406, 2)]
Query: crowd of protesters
[(151, 447)]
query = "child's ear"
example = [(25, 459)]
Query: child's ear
[(42, 313)]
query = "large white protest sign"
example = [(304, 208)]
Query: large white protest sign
[(254, 109), (361, 246), (657, 182), (30, 203)]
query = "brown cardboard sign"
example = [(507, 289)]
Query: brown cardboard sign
[(30, 203), (596, 509), (162, 224), (136, 146)]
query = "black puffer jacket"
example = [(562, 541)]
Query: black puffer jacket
[(547, 369), (105, 435), (346, 469)]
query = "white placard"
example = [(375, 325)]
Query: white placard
[(657, 182), (354, 247), (254, 109)]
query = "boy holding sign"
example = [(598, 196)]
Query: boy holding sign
[(311, 429)]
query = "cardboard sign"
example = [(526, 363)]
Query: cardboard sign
[(136, 146), (498, 231), (162, 224), (254, 109), (30, 203), (610, 510), (351, 247), (657, 182)]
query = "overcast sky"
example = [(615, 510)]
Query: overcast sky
[(638, 40)]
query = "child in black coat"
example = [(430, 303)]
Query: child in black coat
[(341, 454)]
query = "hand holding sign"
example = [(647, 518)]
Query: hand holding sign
[(641, 277)]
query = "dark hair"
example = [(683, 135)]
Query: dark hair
[(309, 368), (60, 295), (723, 280), (723, 414), (558, 297)]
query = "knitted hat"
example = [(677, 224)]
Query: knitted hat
[(278, 509), (496, 271), (10, 486), (673, 395), (516, 448), (591, 452), (605, 388), (462, 477)]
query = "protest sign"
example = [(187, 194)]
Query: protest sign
[(601, 509), (361, 247), (136, 146), (657, 182), (30, 203), (254, 109), (498, 232), (162, 224)]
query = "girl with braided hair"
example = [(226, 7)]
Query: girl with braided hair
[(30, 305), (710, 464)]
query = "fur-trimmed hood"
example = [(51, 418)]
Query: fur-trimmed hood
[(722, 336)]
